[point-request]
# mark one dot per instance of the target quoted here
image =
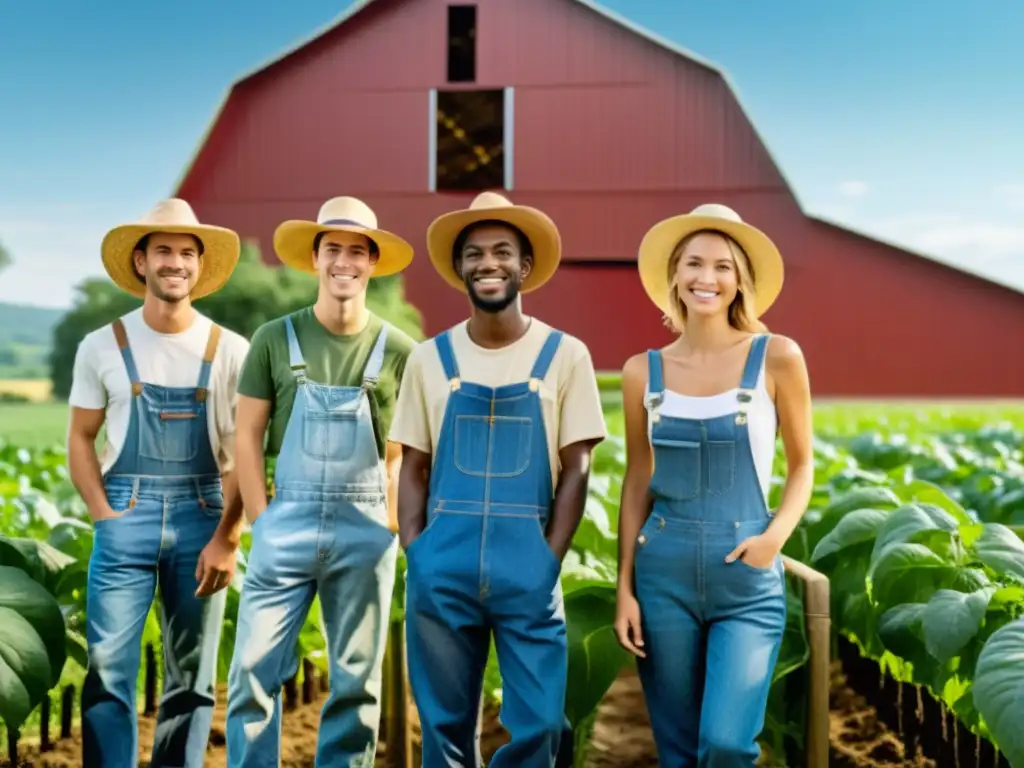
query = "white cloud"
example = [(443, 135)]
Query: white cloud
[(853, 189), (989, 247), (1011, 195)]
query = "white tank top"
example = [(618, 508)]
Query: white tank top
[(762, 420)]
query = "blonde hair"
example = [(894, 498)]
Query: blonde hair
[(742, 311)]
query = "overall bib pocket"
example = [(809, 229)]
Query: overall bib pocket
[(505, 453), (677, 468), (329, 435), (167, 431)]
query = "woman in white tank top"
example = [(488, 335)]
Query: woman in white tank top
[(702, 596)]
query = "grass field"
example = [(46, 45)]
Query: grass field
[(34, 425)]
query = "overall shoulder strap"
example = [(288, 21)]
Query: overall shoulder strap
[(443, 342), (547, 354), (295, 360), (755, 360), (203, 387), (126, 354), (371, 374), (655, 383)]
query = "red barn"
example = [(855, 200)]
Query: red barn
[(415, 105)]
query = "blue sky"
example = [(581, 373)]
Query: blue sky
[(901, 119)]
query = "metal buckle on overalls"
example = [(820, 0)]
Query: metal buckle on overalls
[(534, 385), (454, 384), (745, 397), (651, 402)]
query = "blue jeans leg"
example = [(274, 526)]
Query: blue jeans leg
[(355, 599), (741, 659), (447, 644), (191, 632), (276, 598), (672, 677), (119, 592)]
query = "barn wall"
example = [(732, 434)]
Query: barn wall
[(612, 134)]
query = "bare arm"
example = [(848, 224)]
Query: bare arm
[(787, 367), (230, 528), (413, 488), (570, 496), (250, 460), (393, 465), (635, 504), (83, 464)]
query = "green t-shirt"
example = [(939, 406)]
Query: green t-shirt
[(330, 359)]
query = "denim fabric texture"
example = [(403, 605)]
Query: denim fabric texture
[(166, 490), (482, 565), (324, 533), (712, 630)]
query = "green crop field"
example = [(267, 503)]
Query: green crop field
[(915, 519)]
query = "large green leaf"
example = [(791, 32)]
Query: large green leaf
[(1001, 550), (952, 619), (38, 559), (595, 656), (999, 689), (32, 644), (911, 521)]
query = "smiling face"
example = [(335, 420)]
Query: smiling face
[(168, 264), (491, 260), (709, 275), (345, 262), (706, 276)]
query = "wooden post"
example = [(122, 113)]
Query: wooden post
[(308, 682), (398, 735), (67, 711), (291, 694), (150, 704), (818, 614), (44, 725)]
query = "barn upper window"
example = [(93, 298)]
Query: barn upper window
[(471, 140), (461, 43)]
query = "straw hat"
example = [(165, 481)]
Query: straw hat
[(661, 239), (538, 228), (221, 247), (293, 240)]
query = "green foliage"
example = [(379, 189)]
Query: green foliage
[(5, 257), (255, 294)]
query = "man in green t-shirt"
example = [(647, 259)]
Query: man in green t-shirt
[(319, 385)]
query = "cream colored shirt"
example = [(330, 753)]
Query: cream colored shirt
[(571, 402), (100, 378)]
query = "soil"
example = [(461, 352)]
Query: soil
[(622, 735)]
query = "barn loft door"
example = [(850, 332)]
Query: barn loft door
[(470, 141)]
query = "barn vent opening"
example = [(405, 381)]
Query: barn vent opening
[(461, 43), (470, 140)]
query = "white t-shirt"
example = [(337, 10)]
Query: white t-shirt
[(166, 359)]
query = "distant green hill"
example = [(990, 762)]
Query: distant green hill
[(26, 334), (31, 326)]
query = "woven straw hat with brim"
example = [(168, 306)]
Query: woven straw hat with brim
[(661, 240), (221, 248), (538, 228), (293, 240)]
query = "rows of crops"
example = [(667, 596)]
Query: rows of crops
[(915, 518)]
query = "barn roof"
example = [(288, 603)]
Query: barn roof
[(359, 5)]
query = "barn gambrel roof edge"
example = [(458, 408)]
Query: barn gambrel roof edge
[(640, 32)]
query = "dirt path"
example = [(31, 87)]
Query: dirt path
[(622, 736)]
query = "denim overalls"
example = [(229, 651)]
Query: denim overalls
[(483, 564), (166, 488), (326, 530), (711, 629)]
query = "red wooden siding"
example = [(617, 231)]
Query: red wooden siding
[(612, 133)]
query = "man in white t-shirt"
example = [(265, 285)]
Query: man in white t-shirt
[(162, 496), (497, 417)]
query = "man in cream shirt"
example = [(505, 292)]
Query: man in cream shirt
[(162, 495), (498, 417)]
